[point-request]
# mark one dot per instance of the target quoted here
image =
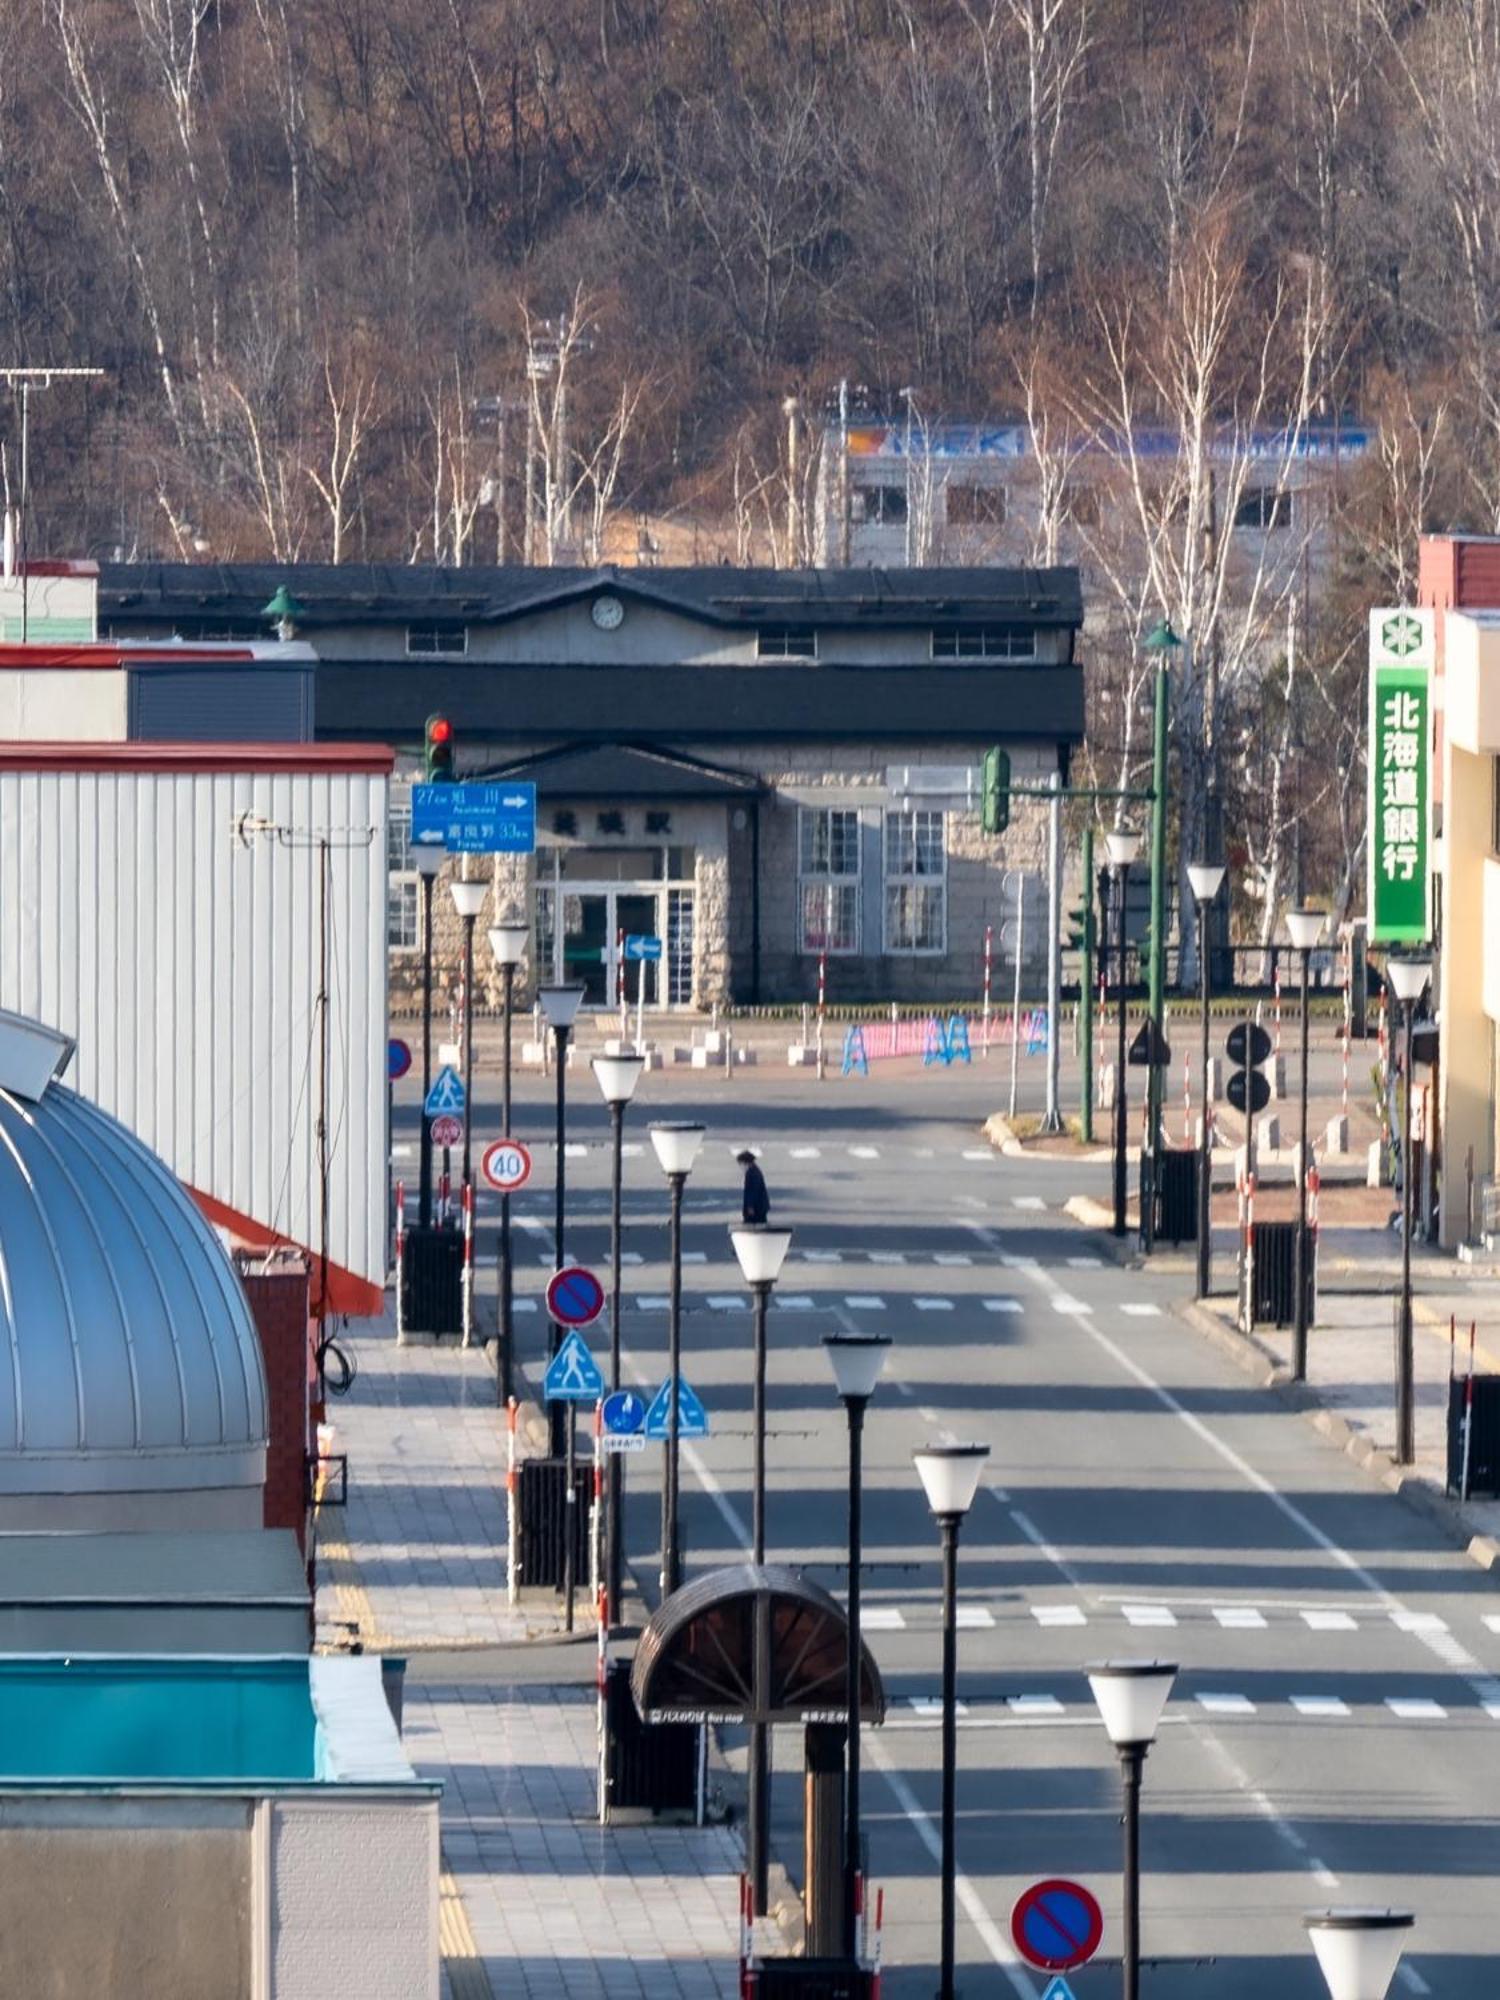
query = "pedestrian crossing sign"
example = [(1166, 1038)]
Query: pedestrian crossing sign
[(1058, 1990), (446, 1094), (692, 1418), (573, 1373)]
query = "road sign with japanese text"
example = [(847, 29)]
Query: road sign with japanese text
[(474, 819), (1399, 843)]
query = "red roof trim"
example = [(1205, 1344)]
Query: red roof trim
[(369, 757), (100, 656), (347, 1292)]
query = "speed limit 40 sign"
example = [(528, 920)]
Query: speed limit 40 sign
[(506, 1165)]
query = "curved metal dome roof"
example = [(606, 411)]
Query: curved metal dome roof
[(128, 1357)]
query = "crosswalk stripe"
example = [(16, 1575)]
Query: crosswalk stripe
[(1002, 1305), (887, 1256), (1416, 1708), (1418, 1621), (1139, 1311), (650, 1303), (1241, 1618), (1319, 1705), (864, 1302), (807, 1152), (1027, 1201), (1226, 1704), (726, 1301), (931, 1704), (1034, 1704), (1061, 1303), (797, 1302), (864, 1152), (1148, 1614), (821, 1256), (974, 1618), (882, 1618), (1053, 1615), (1329, 1621), (934, 1305), (952, 1257)]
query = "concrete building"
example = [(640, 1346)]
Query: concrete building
[(713, 749), (190, 1805)]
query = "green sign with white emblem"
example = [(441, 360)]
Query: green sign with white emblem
[(1399, 842)]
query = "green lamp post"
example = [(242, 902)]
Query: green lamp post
[(1163, 642), (283, 611)]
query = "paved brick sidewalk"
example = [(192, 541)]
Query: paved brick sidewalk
[(557, 1907), (422, 1561)]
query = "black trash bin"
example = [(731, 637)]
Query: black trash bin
[(543, 1486), (432, 1281), (1177, 1195), (1484, 1439), (649, 1767), (1275, 1301), (810, 1979)]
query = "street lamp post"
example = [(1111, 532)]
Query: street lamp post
[(559, 1005), (1205, 879), (617, 1077), (856, 1359), (761, 1252), (1358, 1950), (429, 862), (1408, 979), (1121, 848), (468, 900), (950, 1477), (1131, 1695), (508, 941), (1163, 642), (677, 1146), (1304, 927)]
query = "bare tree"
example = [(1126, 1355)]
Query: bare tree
[(352, 408)]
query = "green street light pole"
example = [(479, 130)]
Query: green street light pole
[(1086, 994), (1162, 641)]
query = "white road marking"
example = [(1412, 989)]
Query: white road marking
[(1320, 1706), (864, 1152), (807, 1152), (1140, 1311), (1329, 1621), (726, 1301), (1027, 1201), (1038, 1540), (881, 1618), (1240, 1618), (1052, 1615), (631, 1150), (932, 1704), (991, 1936), (1002, 1305), (1492, 1620), (906, 1389), (1226, 1704), (1323, 1875), (864, 1302), (524, 1305), (650, 1303), (1411, 1979), (980, 1153), (821, 1256), (1418, 1621), (952, 1257), (695, 1256), (887, 1256), (631, 1257), (575, 1151), (1416, 1708), (1148, 1614), (1074, 1307), (934, 1305), (1034, 1704), (974, 1618), (795, 1302), (1085, 1263)]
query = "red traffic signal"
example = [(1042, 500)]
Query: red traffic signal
[(439, 750)]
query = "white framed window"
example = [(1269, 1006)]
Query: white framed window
[(983, 642), (916, 882), (828, 879), (443, 637), (403, 893), (786, 642)]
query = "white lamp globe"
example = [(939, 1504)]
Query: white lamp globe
[(559, 1005), (1131, 1695), (1358, 1950), (761, 1252), (1206, 878), (856, 1360), (677, 1146), (1407, 976), (508, 941), (1121, 846), (429, 860), (468, 897), (950, 1476), (1304, 927), (618, 1076)]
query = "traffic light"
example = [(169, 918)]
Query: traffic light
[(1081, 932), (995, 800), (439, 754)]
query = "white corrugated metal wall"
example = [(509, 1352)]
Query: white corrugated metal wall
[(186, 964)]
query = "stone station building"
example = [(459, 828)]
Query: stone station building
[(760, 767)]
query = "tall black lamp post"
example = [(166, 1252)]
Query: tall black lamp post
[(950, 1478), (429, 863), (559, 1005), (677, 1146), (617, 1077), (508, 941), (468, 900), (1131, 1695), (761, 1252), (856, 1359), (1121, 848), (1206, 879), (1304, 927), (1408, 979), (1358, 1950)]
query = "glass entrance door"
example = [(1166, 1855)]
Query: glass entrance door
[(588, 945), (635, 916)]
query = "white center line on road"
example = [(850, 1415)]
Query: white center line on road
[(1418, 1621), (991, 1936), (726, 1302), (887, 1256), (795, 1302), (821, 1256)]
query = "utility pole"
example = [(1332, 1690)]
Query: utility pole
[(26, 380), (844, 473), (1052, 1116)]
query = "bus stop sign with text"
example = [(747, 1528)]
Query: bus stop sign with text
[(474, 819)]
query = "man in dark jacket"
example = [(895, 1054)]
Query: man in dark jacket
[(757, 1201)]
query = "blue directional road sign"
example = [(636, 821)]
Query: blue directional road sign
[(446, 1094), (640, 947), (1059, 1989), (624, 1413), (692, 1418), (474, 819), (573, 1374)]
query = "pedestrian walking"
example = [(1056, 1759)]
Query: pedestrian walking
[(756, 1204)]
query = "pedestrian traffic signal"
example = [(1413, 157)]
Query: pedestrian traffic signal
[(439, 755), (1081, 935), (995, 797)]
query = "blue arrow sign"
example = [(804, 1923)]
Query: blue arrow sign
[(624, 1413), (446, 1094), (692, 1418), (474, 819), (1058, 1990), (573, 1374), (641, 947)]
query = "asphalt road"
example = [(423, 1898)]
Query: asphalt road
[(1335, 1733)]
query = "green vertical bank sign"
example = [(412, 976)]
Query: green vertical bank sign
[(1400, 811)]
